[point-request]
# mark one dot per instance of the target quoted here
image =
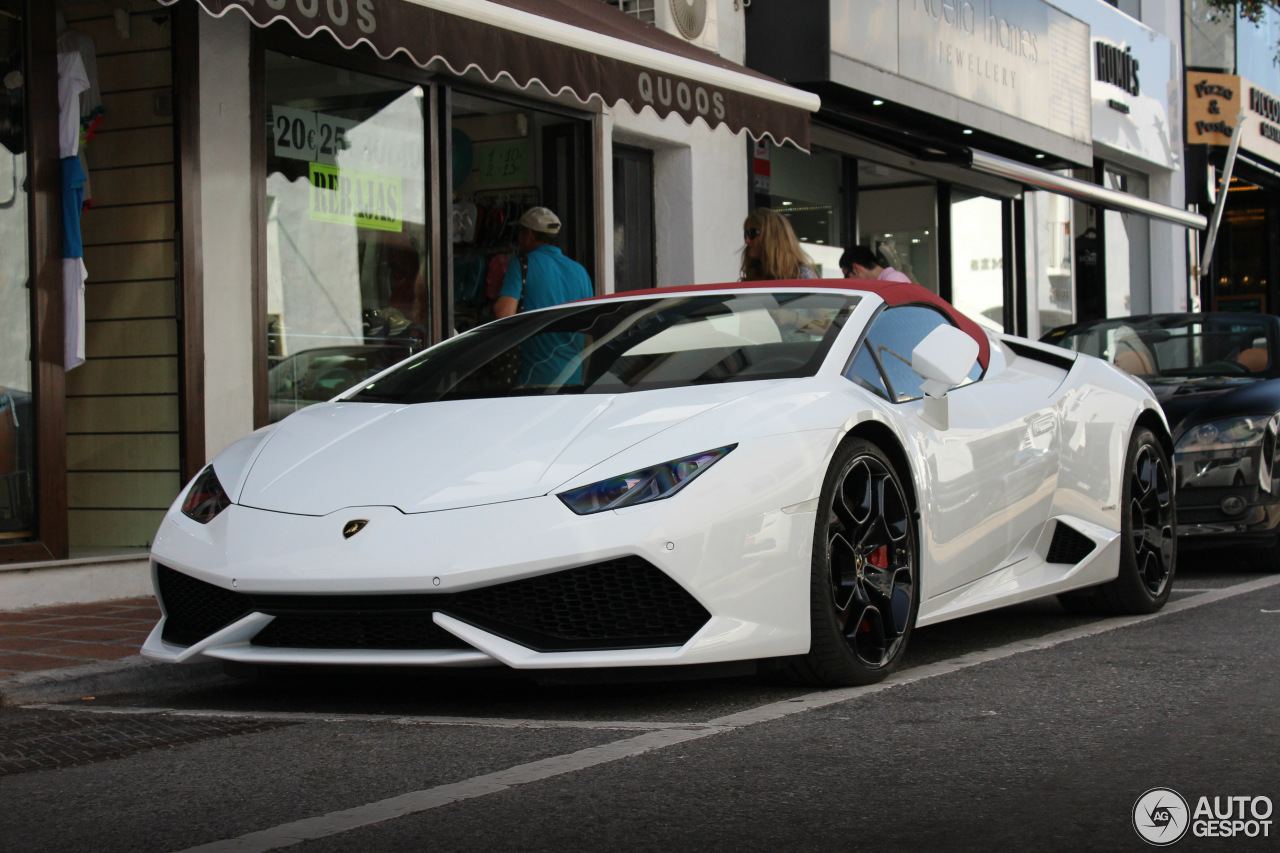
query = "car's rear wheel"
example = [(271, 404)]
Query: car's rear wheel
[(865, 578), (1148, 549)]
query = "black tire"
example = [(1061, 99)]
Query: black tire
[(1148, 547), (864, 588)]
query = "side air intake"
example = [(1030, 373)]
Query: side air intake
[(1069, 545)]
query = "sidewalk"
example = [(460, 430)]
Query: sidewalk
[(71, 651)]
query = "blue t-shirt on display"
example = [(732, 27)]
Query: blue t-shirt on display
[(553, 279)]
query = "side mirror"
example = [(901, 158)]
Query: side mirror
[(942, 360)]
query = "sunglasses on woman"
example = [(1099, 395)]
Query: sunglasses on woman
[(750, 233)]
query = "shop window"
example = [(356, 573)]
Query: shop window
[(977, 257), (17, 411), (1242, 258), (346, 228), (898, 218), (806, 189)]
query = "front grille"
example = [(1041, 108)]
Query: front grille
[(624, 603), (369, 631), (196, 609), (1069, 545)]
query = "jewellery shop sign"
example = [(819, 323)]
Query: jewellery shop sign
[(1216, 101)]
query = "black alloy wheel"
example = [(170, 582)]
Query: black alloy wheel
[(865, 575), (1151, 519), (1149, 549)]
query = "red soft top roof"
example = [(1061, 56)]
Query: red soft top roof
[(892, 292)]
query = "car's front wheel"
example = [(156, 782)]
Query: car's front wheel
[(1148, 549), (865, 580)]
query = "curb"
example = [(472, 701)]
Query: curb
[(101, 679)]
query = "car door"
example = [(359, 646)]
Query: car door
[(988, 479)]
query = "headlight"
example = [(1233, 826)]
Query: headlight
[(643, 486), (1231, 434), (206, 498)]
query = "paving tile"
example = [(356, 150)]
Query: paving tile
[(23, 616), (17, 662), (28, 629), (26, 644), (93, 651), (73, 609), (86, 621), (151, 613), (88, 635)]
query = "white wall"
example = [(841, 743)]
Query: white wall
[(226, 196), (701, 191)]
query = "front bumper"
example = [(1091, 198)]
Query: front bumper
[(719, 573), (1220, 501)]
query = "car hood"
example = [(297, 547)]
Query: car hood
[(1189, 401), (447, 455)]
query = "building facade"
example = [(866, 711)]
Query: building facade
[(221, 211), (1233, 157), (1022, 159)]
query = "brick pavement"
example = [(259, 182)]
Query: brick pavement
[(50, 638)]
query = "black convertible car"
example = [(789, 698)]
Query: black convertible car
[(1217, 376)]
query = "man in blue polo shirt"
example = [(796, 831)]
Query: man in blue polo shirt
[(550, 279)]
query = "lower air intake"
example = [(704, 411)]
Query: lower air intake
[(618, 604), (195, 609)]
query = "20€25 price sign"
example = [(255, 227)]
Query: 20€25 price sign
[(311, 136)]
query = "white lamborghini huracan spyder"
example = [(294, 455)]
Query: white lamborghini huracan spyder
[(795, 473)]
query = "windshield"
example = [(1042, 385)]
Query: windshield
[(631, 345), (1155, 347)]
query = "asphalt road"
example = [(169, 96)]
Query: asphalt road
[(1024, 729)]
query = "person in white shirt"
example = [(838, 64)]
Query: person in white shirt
[(860, 262)]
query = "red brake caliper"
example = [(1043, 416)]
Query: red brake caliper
[(880, 559)]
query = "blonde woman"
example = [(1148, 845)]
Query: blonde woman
[(771, 250)]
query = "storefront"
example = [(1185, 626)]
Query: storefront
[(1137, 148), (975, 147), (1233, 136), (288, 195)]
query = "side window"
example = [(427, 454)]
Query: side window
[(864, 372), (892, 338)]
